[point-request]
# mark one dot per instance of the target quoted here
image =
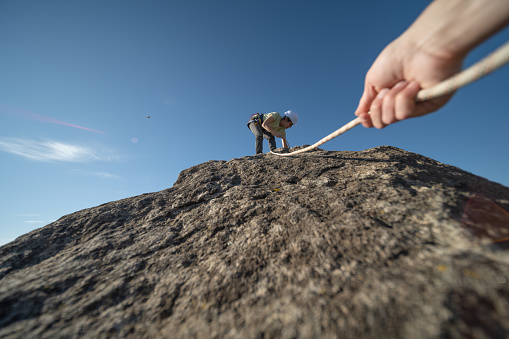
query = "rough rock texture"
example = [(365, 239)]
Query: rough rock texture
[(326, 244)]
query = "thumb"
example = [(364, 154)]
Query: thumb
[(367, 98)]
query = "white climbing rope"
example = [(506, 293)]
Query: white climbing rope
[(483, 67)]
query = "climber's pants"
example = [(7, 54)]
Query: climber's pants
[(261, 133)]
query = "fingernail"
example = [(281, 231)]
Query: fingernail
[(401, 83), (365, 119), (414, 84), (382, 93)]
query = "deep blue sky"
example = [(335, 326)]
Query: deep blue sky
[(199, 69)]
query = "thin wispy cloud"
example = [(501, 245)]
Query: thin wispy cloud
[(50, 150), (21, 113), (104, 175)]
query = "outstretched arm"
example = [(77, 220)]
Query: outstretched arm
[(266, 125), (431, 50)]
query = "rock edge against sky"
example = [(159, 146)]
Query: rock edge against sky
[(325, 244)]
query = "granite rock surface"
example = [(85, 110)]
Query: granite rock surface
[(327, 244)]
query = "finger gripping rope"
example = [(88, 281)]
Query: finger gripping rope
[(487, 65)]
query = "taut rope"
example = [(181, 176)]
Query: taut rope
[(483, 67)]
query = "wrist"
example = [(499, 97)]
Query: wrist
[(450, 29)]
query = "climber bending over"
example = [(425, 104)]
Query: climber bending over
[(271, 126)]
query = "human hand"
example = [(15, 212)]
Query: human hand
[(395, 78), (277, 134)]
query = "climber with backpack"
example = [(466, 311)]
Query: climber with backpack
[(271, 126)]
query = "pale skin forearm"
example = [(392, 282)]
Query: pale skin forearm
[(452, 28)]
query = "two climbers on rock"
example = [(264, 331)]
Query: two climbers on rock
[(271, 126)]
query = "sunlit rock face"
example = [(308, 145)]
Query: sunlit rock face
[(380, 243)]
